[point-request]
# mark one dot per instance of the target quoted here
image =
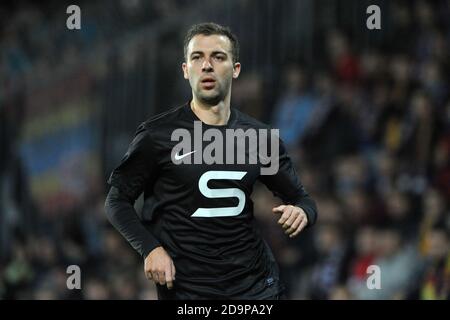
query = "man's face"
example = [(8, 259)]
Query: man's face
[(209, 67)]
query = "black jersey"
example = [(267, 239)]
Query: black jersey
[(202, 214)]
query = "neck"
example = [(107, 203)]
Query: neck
[(215, 115)]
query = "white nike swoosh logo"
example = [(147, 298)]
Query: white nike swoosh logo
[(178, 157)]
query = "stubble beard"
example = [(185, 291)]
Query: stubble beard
[(210, 98)]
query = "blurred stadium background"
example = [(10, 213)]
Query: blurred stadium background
[(366, 116)]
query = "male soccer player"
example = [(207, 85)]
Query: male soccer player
[(197, 238)]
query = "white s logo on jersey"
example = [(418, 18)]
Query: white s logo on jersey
[(221, 193)]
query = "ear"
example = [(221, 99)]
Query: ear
[(185, 70), (236, 70)]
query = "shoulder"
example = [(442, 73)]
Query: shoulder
[(246, 121), (161, 119), (158, 122)]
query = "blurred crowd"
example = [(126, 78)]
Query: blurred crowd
[(367, 125)]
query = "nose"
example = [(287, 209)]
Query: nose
[(207, 66)]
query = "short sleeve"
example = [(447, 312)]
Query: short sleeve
[(137, 167)]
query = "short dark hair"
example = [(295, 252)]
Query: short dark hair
[(211, 28)]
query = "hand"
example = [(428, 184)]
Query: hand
[(293, 219), (159, 267)]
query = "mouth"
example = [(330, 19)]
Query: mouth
[(208, 82)]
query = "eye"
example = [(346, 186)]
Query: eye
[(195, 57), (220, 58)]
